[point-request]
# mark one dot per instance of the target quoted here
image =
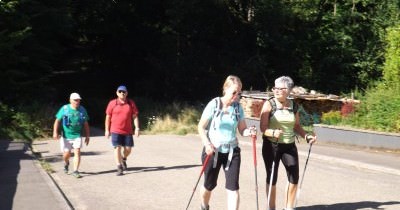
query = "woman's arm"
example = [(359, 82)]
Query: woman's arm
[(264, 121)]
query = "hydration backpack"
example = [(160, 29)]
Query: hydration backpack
[(218, 111), (271, 100), (66, 117), (129, 102)]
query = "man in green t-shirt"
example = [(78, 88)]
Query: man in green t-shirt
[(74, 119)]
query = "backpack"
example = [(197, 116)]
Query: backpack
[(129, 101), (271, 100), (66, 118), (218, 111)]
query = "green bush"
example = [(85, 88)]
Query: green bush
[(331, 118), (379, 110), (22, 123)]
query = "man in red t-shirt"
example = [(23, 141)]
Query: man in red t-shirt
[(120, 113)]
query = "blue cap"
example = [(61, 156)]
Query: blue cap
[(122, 87)]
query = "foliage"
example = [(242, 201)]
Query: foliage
[(19, 124), (331, 118), (379, 110), (182, 50), (184, 122), (391, 69)]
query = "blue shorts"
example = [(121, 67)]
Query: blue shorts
[(121, 140)]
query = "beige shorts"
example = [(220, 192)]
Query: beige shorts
[(70, 144)]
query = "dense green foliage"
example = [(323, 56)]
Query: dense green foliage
[(380, 104), (182, 50), (391, 70)]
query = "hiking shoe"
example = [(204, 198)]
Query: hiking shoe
[(66, 168), (76, 174), (120, 170), (124, 166)]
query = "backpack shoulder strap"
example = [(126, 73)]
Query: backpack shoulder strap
[(236, 111), (218, 106), (65, 109), (295, 106), (273, 106)]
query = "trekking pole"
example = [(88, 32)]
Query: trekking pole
[(254, 138), (271, 178), (302, 177), (201, 173)]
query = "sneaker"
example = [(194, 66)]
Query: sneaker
[(124, 166), (205, 208), (120, 170), (76, 174), (66, 168)]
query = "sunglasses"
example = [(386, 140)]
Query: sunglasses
[(237, 93), (121, 91)]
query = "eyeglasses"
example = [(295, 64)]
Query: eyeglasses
[(121, 91), (77, 100), (280, 89)]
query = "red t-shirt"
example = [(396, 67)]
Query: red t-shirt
[(121, 116)]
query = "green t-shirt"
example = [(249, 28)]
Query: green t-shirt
[(72, 120)]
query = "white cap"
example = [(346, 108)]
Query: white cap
[(75, 96)]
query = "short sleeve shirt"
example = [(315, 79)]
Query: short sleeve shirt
[(121, 116), (222, 129), (76, 117)]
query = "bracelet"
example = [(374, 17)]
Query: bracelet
[(136, 128)]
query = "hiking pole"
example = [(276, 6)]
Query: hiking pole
[(271, 178), (302, 177), (201, 173), (254, 138)]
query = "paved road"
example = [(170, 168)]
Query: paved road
[(163, 170)]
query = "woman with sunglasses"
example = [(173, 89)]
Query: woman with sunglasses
[(218, 125), (279, 124), (120, 114)]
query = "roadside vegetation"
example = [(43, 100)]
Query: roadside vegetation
[(379, 109), (331, 46)]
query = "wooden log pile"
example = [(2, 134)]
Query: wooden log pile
[(313, 103)]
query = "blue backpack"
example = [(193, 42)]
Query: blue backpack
[(218, 111), (66, 117)]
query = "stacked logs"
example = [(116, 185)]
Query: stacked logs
[(252, 102)]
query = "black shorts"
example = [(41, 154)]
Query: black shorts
[(285, 152), (231, 176)]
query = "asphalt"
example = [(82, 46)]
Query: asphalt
[(158, 162)]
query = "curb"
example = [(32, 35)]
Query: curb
[(356, 164), (62, 200)]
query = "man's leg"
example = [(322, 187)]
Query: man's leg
[(126, 152), (77, 158), (118, 159), (66, 156), (77, 161)]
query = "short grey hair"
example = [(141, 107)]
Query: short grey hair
[(285, 80)]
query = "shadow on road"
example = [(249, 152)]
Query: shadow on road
[(350, 206), (11, 154), (132, 170)]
